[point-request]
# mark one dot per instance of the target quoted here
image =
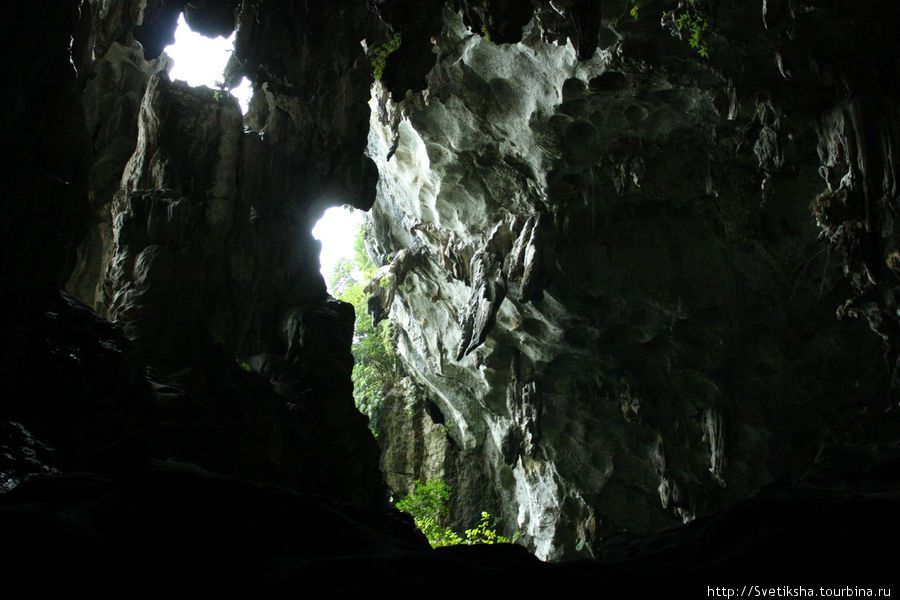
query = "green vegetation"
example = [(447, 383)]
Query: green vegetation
[(484, 532), (690, 24), (488, 23), (634, 11), (220, 93), (375, 369), (375, 375), (428, 506), (379, 54), (687, 22)]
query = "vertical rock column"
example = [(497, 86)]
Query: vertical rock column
[(112, 88), (172, 216), (213, 256)]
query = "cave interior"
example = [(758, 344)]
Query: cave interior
[(638, 256)]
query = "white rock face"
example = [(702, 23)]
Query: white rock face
[(584, 288), (427, 203)]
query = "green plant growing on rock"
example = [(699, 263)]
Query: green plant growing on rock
[(375, 368), (221, 92), (428, 506), (688, 22), (488, 23), (379, 55), (634, 11), (484, 532)]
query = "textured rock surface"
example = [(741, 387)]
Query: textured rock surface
[(853, 95), (414, 447), (610, 282), (191, 249), (603, 259), (114, 85), (80, 396)]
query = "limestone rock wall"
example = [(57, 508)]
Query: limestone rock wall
[(415, 447), (243, 243), (607, 273), (113, 88), (603, 248), (212, 253), (194, 231)]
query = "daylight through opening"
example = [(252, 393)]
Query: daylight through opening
[(340, 233), (200, 60)]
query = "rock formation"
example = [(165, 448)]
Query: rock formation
[(207, 268), (606, 266), (624, 275)]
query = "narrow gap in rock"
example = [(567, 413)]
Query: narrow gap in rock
[(337, 231)]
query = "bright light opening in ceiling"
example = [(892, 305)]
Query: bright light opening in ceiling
[(337, 230), (200, 60)]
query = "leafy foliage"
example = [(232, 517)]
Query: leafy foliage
[(221, 92), (634, 11), (689, 23), (488, 23), (375, 369), (686, 22), (485, 532), (428, 506), (380, 53)]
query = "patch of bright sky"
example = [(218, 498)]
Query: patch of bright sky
[(200, 60), (337, 231)]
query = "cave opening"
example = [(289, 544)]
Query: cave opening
[(602, 335), (199, 60), (339, 230)]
